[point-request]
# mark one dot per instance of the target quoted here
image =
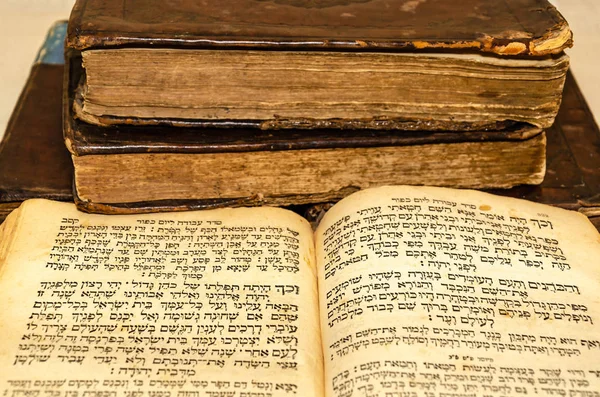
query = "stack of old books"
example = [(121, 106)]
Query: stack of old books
[(188, 105), (400, 290)]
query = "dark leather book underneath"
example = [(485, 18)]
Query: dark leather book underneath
[(34, 162)]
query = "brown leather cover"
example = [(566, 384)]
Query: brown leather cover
[(509, 27), (34, 162)]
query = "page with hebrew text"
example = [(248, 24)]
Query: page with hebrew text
[(442, 292), (207, 303)]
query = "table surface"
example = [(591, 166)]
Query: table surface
[(24, 23)]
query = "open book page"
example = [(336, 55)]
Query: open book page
[(213, 303), (439, 292)]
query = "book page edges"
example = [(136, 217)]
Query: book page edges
[(8, 232), (311, 172)]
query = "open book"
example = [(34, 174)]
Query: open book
[(401, 291)]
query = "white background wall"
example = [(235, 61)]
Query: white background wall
[(23, 26), (584, 19)]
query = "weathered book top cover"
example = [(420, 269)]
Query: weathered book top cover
[(34, 162), (510, 27)]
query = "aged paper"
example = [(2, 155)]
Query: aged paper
[(437, 292), (213, 303)]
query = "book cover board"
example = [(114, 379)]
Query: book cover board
[(520, 27), (34, 162)]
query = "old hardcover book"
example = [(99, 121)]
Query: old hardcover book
[(34, 162), (400, 290), (416, 65)]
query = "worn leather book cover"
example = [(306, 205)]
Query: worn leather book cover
[(34, 162), (340, 64), (515, 27)]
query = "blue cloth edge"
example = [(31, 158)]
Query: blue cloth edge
[(53, 50)]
